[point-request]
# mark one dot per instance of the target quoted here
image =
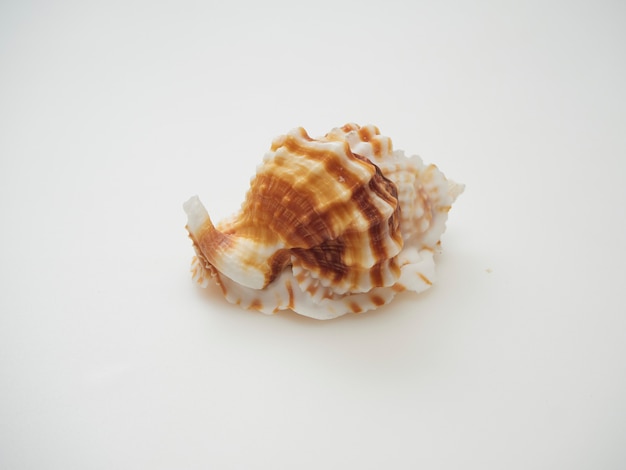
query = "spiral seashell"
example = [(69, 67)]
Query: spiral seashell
[(329, 226)]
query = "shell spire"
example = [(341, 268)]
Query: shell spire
[(328, 226)]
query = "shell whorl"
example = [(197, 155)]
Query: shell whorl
[(310, 199), (424, 193)]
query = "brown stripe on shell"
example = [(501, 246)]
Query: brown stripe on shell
[(395, 267), (311, 289), (289, 288), (425, 279), (376, 277), (398, 287), (387, 266), (325, 259), (377, 148), (277, 263), (365, 134), (378, 232), (355, 307), (328, 157), (349, 127), (377, 235), (300, 277), (361, 199), (377, 300)]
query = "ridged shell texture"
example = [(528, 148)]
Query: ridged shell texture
[(329, 226)]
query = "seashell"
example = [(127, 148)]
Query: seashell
[(329, 226)]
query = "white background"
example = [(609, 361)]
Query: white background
[(113, 113)]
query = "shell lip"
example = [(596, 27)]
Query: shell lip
[(197, 214)]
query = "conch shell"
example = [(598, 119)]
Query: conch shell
[(329, 226)]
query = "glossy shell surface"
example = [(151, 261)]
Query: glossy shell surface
[(329, 226)]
